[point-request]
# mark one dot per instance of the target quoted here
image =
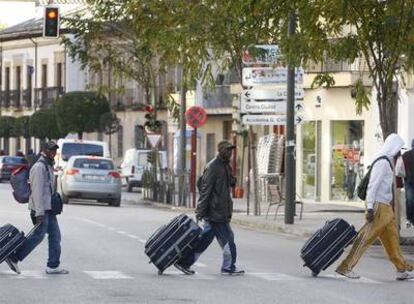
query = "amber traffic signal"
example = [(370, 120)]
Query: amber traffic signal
[(51, 22)]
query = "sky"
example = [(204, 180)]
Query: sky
[(14, 12)]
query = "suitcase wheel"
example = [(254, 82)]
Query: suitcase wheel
[(315, 274), (160, 272)]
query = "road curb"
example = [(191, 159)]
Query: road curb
[(251, 223)]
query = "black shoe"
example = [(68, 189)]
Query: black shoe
[(13, 265), (234, 272), (185, 270)]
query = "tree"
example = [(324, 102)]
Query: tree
[(22, 126), (79, 112), (380, 32), (43, 124), (109, 124), (7, 126)]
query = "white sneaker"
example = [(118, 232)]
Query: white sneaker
[(56, 270), (349, 274), (405, 275)]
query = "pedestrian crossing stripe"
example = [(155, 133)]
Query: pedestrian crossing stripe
[(108, 275), (360, 280), (268, 276)]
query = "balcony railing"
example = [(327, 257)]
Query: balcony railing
[(5, 99), (27, 98), (45, 97), (15, 98), (220, 97)]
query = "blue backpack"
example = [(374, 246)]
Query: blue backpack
[(19, 181)]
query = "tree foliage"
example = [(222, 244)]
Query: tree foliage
[(7, 126), (22, 126), (79, 112), (378, 32), (43, 125)]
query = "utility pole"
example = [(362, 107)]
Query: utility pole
[(290, 135), (183, 143)]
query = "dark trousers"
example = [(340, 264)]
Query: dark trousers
[(51, 227), (409, 200), (225, 237)]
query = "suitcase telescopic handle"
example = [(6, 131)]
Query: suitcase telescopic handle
[(33, 230)]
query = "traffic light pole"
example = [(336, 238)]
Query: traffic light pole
[(290, 136)]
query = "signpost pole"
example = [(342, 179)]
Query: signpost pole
[(193, 165), (290, 136)]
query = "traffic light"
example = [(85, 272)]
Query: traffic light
[(151, 124), (51, 22)]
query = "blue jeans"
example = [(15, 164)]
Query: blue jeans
[(409, 200), (51, 227), (225, 237)]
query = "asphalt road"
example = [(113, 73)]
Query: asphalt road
[(103, 249)]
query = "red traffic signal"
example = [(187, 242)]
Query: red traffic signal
[(51, 22)]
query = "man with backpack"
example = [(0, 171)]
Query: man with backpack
[(40, 204), (380, 219), (215, 207)]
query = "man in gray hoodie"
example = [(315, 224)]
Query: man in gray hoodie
[(40, 205), (380, 219)]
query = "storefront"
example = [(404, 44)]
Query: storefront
[(331, 145)]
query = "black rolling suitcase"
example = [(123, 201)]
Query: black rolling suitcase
[(327, 245), (10, 239), (172, 241)]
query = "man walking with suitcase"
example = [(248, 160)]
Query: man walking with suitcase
[(380, 216), (215, 207), (40, 205)]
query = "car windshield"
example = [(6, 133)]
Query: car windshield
[(73, 149), (98, 164), (14, 160)]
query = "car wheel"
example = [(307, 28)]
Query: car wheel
[(116, 202), (129, 187)]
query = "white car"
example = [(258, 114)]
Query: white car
[(91, 177), (135, 162)]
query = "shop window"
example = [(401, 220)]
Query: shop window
[(139, 137), (346, 163), (311, 160)]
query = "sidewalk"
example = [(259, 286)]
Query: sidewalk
[(314, 216)]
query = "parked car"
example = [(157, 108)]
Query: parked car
[(91, 177), (8, 164), (135, 162)]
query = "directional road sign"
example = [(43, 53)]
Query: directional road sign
[(269, 120), (273, 94), (269, 106), (269, 76), (262, 54)]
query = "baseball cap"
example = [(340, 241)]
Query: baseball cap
[(225, 145), (50, 145)]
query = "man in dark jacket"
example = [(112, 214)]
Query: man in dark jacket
[(215, 207), (408, 161)]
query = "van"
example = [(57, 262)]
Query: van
[(135, 162), (75, 147)]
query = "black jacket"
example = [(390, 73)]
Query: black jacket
[(215, 203), (408, 159)]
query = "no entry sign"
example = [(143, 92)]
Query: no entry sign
[(196, 117)]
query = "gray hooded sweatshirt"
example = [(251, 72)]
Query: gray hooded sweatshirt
[(380, 187)]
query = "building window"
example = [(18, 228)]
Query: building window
[(120, 141), (347, 153), (227, 129), (211, 146), (18, 144), (7, 79), (44, 75), (6, 145), (59, 78)]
